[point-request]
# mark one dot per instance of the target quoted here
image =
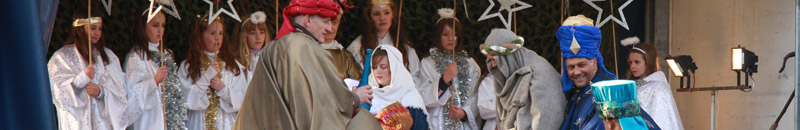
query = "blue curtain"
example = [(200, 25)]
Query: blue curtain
[(47, 18), (24, 86)]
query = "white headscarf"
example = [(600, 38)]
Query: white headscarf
[(402, 88)]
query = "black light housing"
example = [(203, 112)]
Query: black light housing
[(743, 60), (681, 66)]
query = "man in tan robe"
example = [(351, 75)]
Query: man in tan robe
[(295, 85)]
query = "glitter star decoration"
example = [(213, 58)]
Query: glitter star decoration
[(504, 5), (600, 21), (213, 15), (153, 10)]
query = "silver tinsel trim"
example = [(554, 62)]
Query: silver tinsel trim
[(640, 82), (464, 87), (175, 109)]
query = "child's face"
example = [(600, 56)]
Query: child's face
[(95, 30), (381, 71), (155, 28), (638, 66), (448, 38), (256, 39), (382, 16), (212, 37)]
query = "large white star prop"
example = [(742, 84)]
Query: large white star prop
[(153, 10), (599, 23), (107, 5), (213, 15), (504, 5), (150, 10), (172, 10)]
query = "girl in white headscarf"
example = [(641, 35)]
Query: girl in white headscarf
[(391, 82)]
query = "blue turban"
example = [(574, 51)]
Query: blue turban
[(617, 99), (589, 39)]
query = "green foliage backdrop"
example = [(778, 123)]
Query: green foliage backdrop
[(537, 24)]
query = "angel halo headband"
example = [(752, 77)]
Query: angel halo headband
[(632, 41), (85, 21), (381, 3), (640, 50), (502, 50), (205, 18), (446, 13), (256, 18)]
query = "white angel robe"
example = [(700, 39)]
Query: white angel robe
[(231, 96), (253, 62), (655, 97), (68, 86), (487, 105), (428, 87), (144, 95), (411, 53)]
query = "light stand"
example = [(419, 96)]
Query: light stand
[(742, 60)]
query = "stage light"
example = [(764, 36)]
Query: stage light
[(681, 65), (737, 58), (676, 69), (743, 60)]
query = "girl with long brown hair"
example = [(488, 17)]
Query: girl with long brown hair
[(380, 20), (213, 79), (154, 95), (448, 77), (653, 90), (88, 87)]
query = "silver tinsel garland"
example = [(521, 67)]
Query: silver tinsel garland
[(640, 82), (175, 109), (464, 86)]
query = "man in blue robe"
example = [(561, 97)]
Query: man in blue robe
[(582, 65)]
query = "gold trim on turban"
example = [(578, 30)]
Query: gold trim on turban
[(578, 20)]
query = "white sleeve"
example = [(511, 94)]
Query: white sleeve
[(112, 82), (62, 71), (140, 85), (665, 111), (232, 96), (195, 92), (428, 85), (472, 107), (100, 96), (80, 80), (486, 98), (413, 60)]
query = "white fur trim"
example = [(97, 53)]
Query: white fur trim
[(258, 17), (446, 13), (630, 41)]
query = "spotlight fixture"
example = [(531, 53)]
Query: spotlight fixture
[(681, 66), (743, 60)]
